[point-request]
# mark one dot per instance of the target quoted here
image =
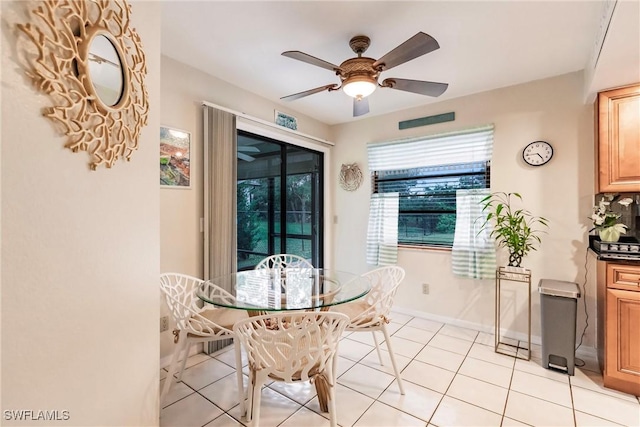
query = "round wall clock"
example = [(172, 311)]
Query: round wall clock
[(537, 153)]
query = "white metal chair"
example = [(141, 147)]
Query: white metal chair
[(371, 313), (292, 347), (195, 324), (284, 261)]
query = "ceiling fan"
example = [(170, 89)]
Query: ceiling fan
[(242, 149), (359, 75)]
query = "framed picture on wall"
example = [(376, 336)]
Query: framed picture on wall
[(175, 158), (286, 120)]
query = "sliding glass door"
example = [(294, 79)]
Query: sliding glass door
[(279, 200)]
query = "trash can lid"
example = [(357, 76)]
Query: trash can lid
[(559, 288)]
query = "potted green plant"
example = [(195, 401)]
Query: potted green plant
[(517, 230)]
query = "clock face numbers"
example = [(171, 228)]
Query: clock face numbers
[(537, 153)]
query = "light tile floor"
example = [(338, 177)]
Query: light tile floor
[(451, 375)]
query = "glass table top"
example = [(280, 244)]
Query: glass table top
[(284, 289)]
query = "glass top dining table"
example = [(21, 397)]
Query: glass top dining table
[(268, 290)]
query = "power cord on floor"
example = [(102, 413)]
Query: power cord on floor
[(579, 362)]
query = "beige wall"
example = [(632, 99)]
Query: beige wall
[(550, 109), (80, 258), (562, 191), (183, 90)]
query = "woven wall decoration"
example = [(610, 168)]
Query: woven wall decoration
[(86, 57), (350, 177)]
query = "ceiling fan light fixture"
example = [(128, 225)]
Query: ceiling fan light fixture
[(359, 86)]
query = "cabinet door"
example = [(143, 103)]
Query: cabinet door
[(619, 140), (622, 368)]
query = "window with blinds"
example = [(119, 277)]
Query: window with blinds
[(426, 173)]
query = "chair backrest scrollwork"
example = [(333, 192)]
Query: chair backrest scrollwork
[(180, 291), (384, 285), (292, 346), (284, 261)]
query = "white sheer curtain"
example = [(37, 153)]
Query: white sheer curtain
[(474, 253), (382, 234), (220, 182)]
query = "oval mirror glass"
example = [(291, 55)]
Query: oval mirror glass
[(105, 70)]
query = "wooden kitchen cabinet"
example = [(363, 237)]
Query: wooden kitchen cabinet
[(619, 325), (618, 140)]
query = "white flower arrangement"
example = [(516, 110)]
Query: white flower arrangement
[(604, 218)]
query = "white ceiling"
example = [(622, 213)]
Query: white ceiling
[(483, 45), (619, 58)]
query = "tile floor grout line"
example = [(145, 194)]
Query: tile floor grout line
[(604, 394), (182, 398), (452, 379), (542, 398), (412, 359), (294, 412), (594, 415), (573, 404), (395, 379), (486, 382), (506, 400), (440, 331)]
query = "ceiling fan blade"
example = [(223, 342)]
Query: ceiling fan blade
[(360, 106), (246, 157), (301, 56), (416, 86), (417, 45), (248, 149), (309, 92)]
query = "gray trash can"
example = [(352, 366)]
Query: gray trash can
[(558, 306)]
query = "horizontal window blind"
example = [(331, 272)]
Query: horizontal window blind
[(427, 198), (432, 189), (426, 173), (467, 146)]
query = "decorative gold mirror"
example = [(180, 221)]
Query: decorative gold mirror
[(85, 56), (104, 73)]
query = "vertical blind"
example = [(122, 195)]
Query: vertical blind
[(220, 178)]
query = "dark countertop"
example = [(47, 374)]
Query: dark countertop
[(609, 258), (617, 255)]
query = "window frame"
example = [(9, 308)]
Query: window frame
[(484, 174), (476, 164)]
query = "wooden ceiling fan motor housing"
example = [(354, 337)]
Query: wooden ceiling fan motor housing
[(361, 67)]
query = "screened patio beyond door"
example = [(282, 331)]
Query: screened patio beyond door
[(276, 178)]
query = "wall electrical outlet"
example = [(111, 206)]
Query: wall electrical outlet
[(164, 323), (425, 288)]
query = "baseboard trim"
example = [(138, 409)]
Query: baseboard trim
[(535, 339), (465, 324), (589, 352)]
